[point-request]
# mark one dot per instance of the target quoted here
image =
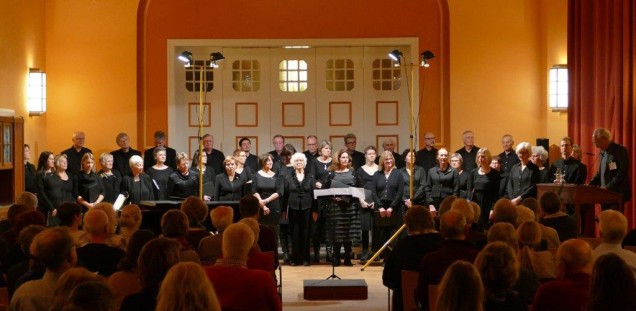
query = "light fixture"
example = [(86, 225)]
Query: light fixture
[(215, 57), (186, 57), (425, 56), (396, 55), (558, 90), (37, 92)]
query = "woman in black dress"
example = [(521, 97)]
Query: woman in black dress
[(45, 170), (387, 193), (283, 168), (87, 185), (140, 186), (419, 178), (160, 172), (111, 179), (183, 182), (209, 175), (319, 170), (539, 156), (29, 172), (268, 188), (457, 163), (441, 181), (228, 186), (55, 189), (298, 196), (365, 179), (483, 185), (523, 177)]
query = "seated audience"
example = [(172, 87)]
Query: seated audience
[(112, 238), (155, 259), (453, 248), (257, 259), (8, 233), (555, 218), (186, 287), (91, 296), (613, 227), (267, 240), (612, 285), (234, 283), (504, 211), (473, 235), (54, 249), (461, 288), (499, 271), (67, 282), (129, 221), (97, 256), (19, 269), (15, 254), (210, 247), (408, 252), (174, 226), (548, 234), (570, 291), (27, 198), (196, 211), (70, 216), (125, 281), (540, 262)]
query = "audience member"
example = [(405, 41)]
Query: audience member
[(91, 296), (553, 217), (612, 285), (267, 240), (155, 259), (499, 271), (408, 252), (453, 248), (126, 281), (613, 227), (67, 282), (210, 247), (234, 282), (461, 288), (186, 287), (174, 225), (570, 291), (97, 256), (548, 234), (477, 237), (113, 239), (129, 221), (504, 211), (540, 262), (54, 249), (27, 198), (20, 268), (70, 216), (257, 259), (196, 211)]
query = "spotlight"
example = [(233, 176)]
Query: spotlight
[(395, 55), (216, 56), (186, 57), (426, 55)]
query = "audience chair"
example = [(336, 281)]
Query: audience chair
[(409, 290)]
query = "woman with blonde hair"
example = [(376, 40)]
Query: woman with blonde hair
[(186, 287), (483, 184), (129, 221), (499, 270), (87, 185), (461, 289), (541, 262), (228, 185)]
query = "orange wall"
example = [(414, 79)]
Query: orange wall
[(22, 46), (90, 53)]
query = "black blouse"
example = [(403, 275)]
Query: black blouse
[(183, 186), (226, 190), (112, 185), (88, 186), (387, 192)]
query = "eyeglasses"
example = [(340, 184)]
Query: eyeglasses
[(429, 138)]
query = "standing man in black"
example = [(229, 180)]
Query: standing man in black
[(312, 150), (245, 144), (357, 157), (388, 144), (75, 153), (123, 154), (507, 159), (613, 172), (427, 156), (469, 151), (570, 168), (279, 143), (215, 157), (149, 154)]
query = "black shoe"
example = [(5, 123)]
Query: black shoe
[(305, 263), (286, 258), (365, 256), (347, 262)]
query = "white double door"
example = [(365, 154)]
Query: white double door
[(247, 100)]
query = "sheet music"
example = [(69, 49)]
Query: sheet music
[(352, 191), (119, 202)]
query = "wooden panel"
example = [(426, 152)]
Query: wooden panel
[(293, 114), (340, 114), (386, 113), (193, 114), (246, 114)]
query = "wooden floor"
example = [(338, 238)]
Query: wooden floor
[(293, 287)]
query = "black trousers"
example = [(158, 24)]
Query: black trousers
[(300, 228)]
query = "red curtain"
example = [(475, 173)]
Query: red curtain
[(601, 58)]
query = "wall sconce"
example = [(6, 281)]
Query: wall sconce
[(558, 91), (37, 92)]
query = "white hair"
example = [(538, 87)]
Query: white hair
[(524, 145), (134, 160), (299, 155)]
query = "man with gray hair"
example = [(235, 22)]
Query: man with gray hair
[(123, 154), (388, 144), (613, 171), (76, 152), (613, 227)]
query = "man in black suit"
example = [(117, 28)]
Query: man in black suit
[(245, 144), (160, 141), (389, 145), (613, 172), (570, 168), (215, 156), (469, 151), (123, 154), (357, 157), (427, 156), (75, 153), (312, 149), (279, 143)]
